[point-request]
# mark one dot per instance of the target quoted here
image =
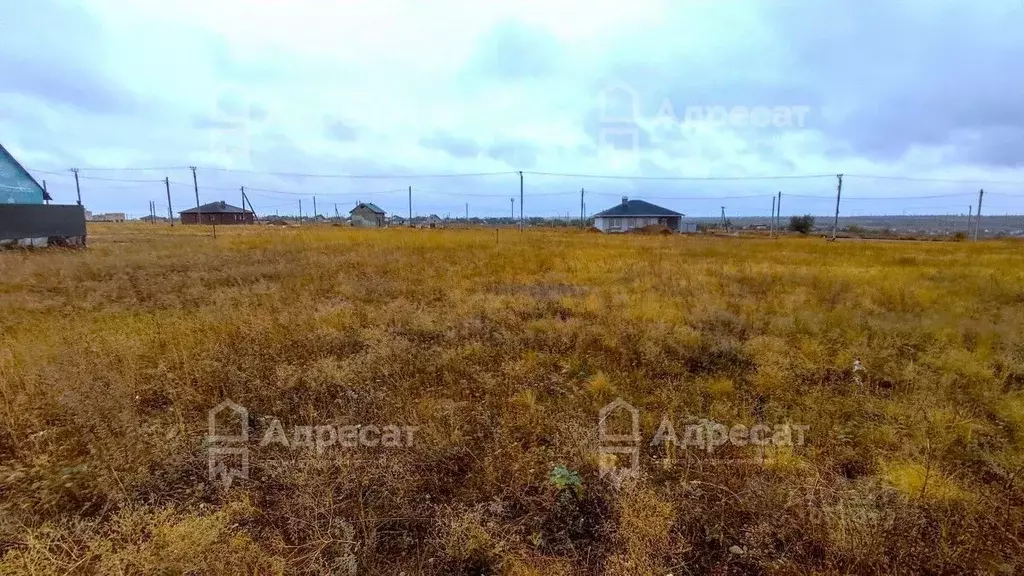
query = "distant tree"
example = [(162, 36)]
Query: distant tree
[(802, 224)]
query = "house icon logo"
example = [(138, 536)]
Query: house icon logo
[(226, 445), (618, 138), (612, 444), (618, 103)]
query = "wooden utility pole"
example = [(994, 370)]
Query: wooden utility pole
[(977, 221), (245, 200), (336, 214), (314, 209), (778, 215), (521, 221), (195, 184), (839, 193), (513, 200), (300, 211), (467, 213), (410, 205), (583, 213), (78, 189), (771, 225), (170, 211), (45, 193)]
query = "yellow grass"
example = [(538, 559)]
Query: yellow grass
[(501, 350)]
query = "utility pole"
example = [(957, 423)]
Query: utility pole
[(467, 213), (410, 205), (778, 215), (195, 184), (245, 200), (170, 212), (314, 209), (970, 212), (839, 193), (45, 193), (723, 220), (977, 221), (78, 189), (583, 214), (336, 214), (771, 225), (300, 211), (521, 222)]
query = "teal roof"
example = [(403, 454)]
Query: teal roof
[(17, 186)]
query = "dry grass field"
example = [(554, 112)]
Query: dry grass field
[(499, 352)]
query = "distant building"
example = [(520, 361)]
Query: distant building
[(631, 214), (368, 215), (433, 221), (17, 186), (216, 213), (107, 217), (397, 220)]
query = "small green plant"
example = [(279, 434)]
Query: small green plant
[(565, 479)]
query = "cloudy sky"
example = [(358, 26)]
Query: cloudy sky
[(261, 92)]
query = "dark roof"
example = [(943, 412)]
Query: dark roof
[(369, 205), (220, 207), (14, 161), (637, 208)]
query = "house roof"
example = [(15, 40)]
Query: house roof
[(14, 162), (637, 208), (220, 207), (368, 205)]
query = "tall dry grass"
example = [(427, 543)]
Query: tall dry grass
[(502, 349)]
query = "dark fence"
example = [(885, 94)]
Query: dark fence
[(18, 221)]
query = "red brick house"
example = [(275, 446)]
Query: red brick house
[(216, 213)]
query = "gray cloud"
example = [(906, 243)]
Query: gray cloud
[(36, 61), (340, 131), (517, 154), (514, 50), (456, 146)]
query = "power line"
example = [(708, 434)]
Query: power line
[(945, 180), (626, 177), (363, 176)]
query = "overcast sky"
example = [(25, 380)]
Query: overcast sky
[(915, 88)]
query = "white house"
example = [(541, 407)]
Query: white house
[(632, 214)]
